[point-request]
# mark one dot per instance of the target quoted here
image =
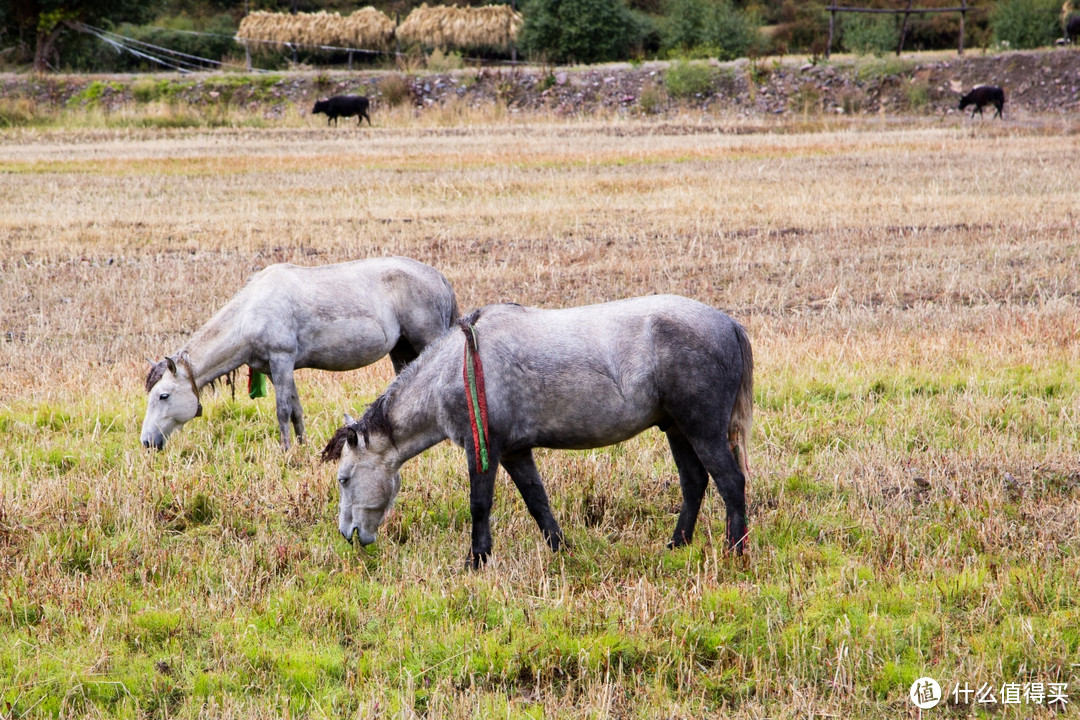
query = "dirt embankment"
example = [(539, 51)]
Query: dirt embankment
[(1037, 82)]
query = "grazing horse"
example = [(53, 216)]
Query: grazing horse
[(577, 378), (334, 317)]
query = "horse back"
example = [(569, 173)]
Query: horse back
[(595, 375)]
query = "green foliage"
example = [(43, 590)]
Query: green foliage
[(1020, 24), (870, 34), (709, 28), (440, 61), (45, 22), (686, 79), (579, 31)]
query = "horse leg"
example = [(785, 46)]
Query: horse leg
[(281, 373), (402, 354), (694, 479), (481, 496), (522, 470), (716, 457), (297, 416)]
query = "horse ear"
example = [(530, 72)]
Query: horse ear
[(351, 437), (172, 365), (348, 419)]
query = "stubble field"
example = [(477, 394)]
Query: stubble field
[(911, 291)]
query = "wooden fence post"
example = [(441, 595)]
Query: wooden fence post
[(828, 43), (903, 30), (963, 16)]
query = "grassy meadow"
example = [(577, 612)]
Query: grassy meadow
[(911, 290)]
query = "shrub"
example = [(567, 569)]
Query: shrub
[(395, 89), (579, 31), (439, 61), (1026, 23), (651, 99), (18, 112), (873, 34), (709, 28), (917, 95), (687, 79)]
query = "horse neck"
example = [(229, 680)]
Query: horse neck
[(214, 350), (413, 408)]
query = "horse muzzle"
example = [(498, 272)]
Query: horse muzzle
[(364, 538), (153, 440)]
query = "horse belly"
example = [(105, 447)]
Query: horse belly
[(345, 346), (580, 425)]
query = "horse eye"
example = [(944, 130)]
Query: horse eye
[(343, 480), (164, 396)]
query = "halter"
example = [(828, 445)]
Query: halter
[(183, 359)]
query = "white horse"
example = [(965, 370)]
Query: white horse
[(580, 378), (334, 317)]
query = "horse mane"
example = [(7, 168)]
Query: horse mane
[(157, 371), (375, 419)]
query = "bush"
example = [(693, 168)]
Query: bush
[(1026, 23), (686, 79), (579, 31), (709, 28), (863, 34), (440, 61), (395, 89)]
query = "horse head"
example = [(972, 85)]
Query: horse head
[(173, 399), (367, 478)]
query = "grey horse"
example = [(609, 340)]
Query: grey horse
[(334, 317), (576, 378)]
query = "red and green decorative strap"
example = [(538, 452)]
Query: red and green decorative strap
[(473, 374)]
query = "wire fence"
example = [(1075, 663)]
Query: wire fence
[(186, 63)]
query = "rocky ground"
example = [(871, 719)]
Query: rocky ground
[(1038, 82)]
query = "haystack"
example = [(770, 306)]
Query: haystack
[(449, 27), (366, 28)]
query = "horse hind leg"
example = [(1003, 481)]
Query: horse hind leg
[(694, 479), (721, 464), (522, 470)]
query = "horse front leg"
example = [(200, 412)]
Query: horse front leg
[(481, 497), (522, 470), (286, 400)]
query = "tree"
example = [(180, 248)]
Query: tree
[(579, 31), (709, 28), (1026, 23), (48, 21)]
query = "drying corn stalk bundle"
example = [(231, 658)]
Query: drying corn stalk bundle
[(463, 28), (366, 28)]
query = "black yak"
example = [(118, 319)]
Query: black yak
[(981, 95), (343, 106), (1072, 28)]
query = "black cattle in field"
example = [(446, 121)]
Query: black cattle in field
[(981, 95), (343, 106), (1072, 28)]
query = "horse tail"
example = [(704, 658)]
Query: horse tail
[(455, 312), (742, 414)]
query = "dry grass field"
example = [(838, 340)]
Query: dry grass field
[(911, 290)]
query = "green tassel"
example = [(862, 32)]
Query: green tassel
[(256, 384)]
